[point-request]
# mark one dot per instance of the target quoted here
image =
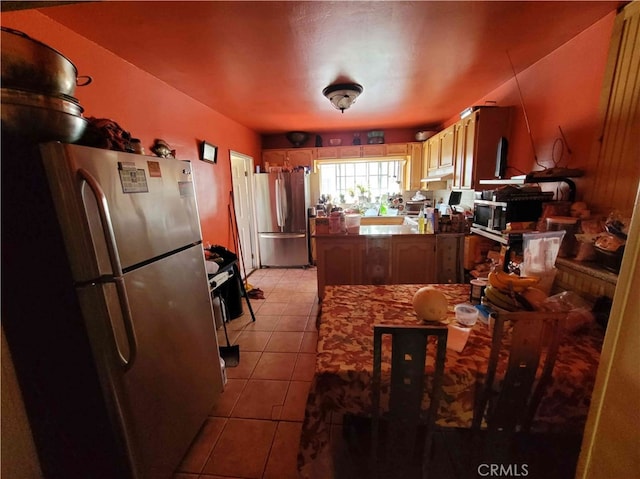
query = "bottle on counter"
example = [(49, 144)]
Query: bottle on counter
[(430, 227), (421, 221)]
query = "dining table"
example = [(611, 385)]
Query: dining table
[(344, 364)]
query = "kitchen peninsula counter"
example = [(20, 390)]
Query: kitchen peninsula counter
[(388, 254), (377, 230)]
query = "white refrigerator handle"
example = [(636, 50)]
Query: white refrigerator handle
[(110, 239)]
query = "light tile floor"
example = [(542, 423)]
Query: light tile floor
[(254, 429)]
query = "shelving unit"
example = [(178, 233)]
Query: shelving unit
[(533, 178)]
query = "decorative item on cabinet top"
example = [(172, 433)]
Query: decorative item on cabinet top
[(297, 138)]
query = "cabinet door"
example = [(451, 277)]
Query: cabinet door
[(469, 132), (375, 260), (328, 152), (412, 179), (339, 261), (450, 258), (301, 157), (464, 153), (433, 153), (399, 149), (373, 150), (349, 152), (413, 259), (447, 147), (274, 157)]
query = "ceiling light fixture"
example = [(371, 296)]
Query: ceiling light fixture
[(342, 95)]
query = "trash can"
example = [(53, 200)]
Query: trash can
[(233, 295), (230, 291)]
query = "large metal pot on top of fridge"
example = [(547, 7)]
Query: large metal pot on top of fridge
[(282, 200)]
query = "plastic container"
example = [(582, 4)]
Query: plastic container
[(223, 370), (337, 223), (569, 225), (352, 222), (477, 290), (466, 314)]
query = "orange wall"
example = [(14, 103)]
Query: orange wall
[(148, 108), (561, 90)]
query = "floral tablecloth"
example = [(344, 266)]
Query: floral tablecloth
[(344, 364)]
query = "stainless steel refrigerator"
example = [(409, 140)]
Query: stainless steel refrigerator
[(282, 200), (143, 362)]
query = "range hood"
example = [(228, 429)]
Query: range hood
[(441, 177)]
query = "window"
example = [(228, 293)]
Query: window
[(352, 179)]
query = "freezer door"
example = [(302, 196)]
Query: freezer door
[(144, 206), (282, 202), (162, 375), (283, 249)]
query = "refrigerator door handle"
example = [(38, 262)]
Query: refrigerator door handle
[(127, 322), (110, 239), (105, 220), (281, 202), (282, 235)]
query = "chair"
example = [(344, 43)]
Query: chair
[(508, 404), (397, 432)]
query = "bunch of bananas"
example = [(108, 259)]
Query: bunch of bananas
[(502, 300), (504, 290), (509, 282)]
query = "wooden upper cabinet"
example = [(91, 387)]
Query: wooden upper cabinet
[(447, 147), (477, 145), (397, 149), (274, 157), (433, 153), (465, 147), (412, 179), (291, 157), (349, 151), (328, 152), (374, 150), (301, 156)]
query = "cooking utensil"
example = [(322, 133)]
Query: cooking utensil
[(30, 64), (41, 117)]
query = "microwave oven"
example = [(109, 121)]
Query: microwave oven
[(493, 216)]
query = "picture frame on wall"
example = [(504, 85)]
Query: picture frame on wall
[(208, 152)]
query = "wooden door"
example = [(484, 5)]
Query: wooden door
[(241, 179)]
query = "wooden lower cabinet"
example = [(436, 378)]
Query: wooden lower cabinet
[(394, 259), (450, 260), (339, 261), (413, 259)]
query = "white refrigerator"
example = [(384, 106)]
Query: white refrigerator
[(131, 230)]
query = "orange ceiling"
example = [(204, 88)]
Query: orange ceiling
[(264, 64)]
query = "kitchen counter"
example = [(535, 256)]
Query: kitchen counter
[(376, 230)]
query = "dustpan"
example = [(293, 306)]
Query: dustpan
[(231, 352)]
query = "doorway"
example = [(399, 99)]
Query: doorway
[(242, 184)]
